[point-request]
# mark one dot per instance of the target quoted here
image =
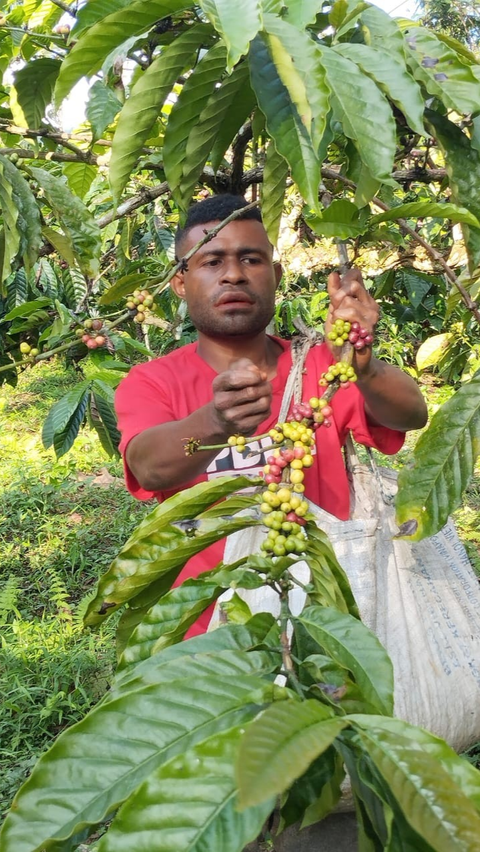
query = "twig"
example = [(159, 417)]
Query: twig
[(65, 7), (285, 644), (434, 254), (162, 282)]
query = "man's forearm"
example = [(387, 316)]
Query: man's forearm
[(157, 456), (391, 397)]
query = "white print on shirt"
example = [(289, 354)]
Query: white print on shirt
[(229, 461)]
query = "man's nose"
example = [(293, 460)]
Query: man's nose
[(233, 271)]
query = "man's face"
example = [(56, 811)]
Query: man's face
[(230, 282)]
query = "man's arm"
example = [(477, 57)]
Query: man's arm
[(241, 401), (392, 398)]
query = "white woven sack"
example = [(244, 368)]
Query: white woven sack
[(421, 599)]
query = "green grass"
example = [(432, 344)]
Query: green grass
[(59, 531)]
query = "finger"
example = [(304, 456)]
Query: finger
[(246, 364), (236, 380), (251, 395)]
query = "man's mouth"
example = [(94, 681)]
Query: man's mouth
[(233, 299)]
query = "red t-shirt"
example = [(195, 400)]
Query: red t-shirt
[(174, 386)]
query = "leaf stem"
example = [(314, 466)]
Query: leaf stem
[(285, 616)]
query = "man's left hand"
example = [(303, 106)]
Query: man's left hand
[(350, 301)]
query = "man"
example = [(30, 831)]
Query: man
[(232, 380)]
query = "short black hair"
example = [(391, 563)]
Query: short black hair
[(214, 209)]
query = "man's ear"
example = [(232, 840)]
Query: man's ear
[(178, 285), (278, 272)]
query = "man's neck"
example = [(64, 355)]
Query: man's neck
[(220, 353)]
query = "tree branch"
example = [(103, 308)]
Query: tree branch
[(431, 251), (66, 7)]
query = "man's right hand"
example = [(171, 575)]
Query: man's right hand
[(242, 398)]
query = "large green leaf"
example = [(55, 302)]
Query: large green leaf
[(126, 285), (102, 107), (26, 309), (328, 576), (28, 215), (241, 107), (463, 773), (341, 219), (204, 133), (103, 396), (186, 115), (237, 30), (426, 209), (284, 122), (32, 91), (192, 797), (167, 622), (432, 350), (147, 97), (364, 112), (302, 73), (392, 77), (63, 439), (149, 567), (157, 549), (366, 185), (280, 745), (61, 413), (442, 72), (93, 11), (89, 52), (61, 243), (354, 647), (429, 798), (98, 763), (462, 161), (314, 794), (10, 234), (443, 463), (260, 632), (381, 32), (75, 219), (301, 13), (79, 177), (274, 183)]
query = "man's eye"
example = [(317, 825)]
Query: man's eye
[(253, 260), (213, 262)]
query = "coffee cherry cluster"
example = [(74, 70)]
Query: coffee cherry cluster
[(91, 334), (237, 441), (339, 332), (28, 351), (342, 330), (140, 301), (360, 337), (281, 502), (342, 372)]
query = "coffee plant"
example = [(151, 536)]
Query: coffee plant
[(368, 122), (197, 741)]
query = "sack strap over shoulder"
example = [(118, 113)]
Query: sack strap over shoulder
[(301, 346)]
